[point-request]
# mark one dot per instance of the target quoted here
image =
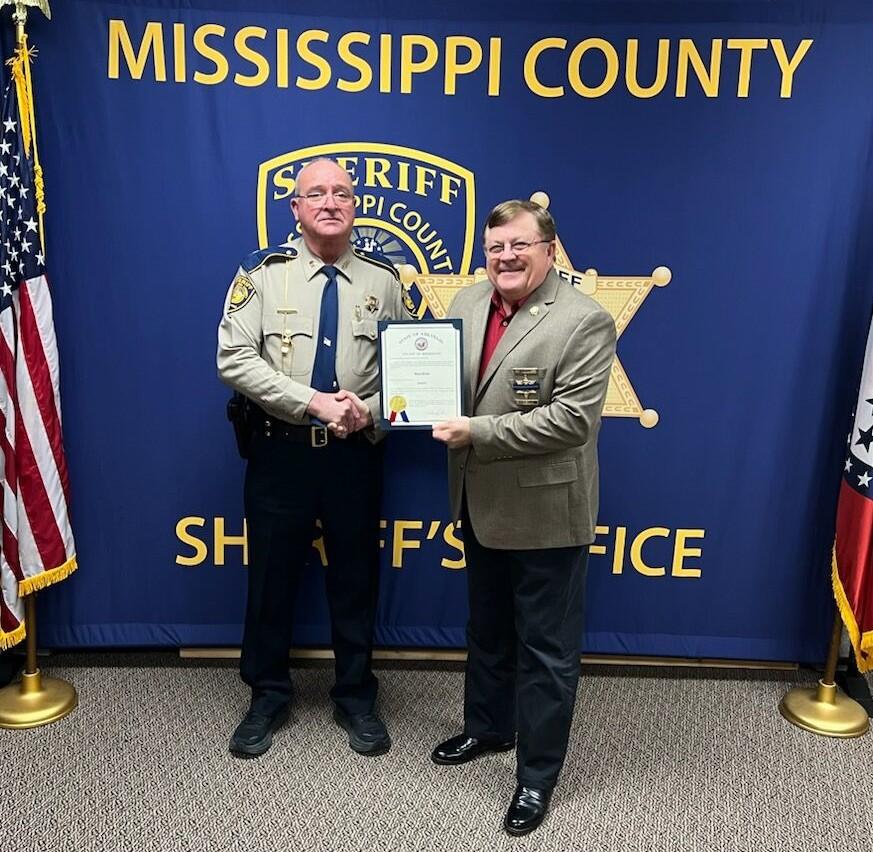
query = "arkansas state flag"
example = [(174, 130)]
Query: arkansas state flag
[(853, 549)]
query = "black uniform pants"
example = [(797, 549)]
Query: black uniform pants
[(523, 641), (288, 485)]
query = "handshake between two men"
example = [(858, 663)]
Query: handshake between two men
[(343, 412)]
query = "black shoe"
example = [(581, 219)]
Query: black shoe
[(367, 733), (527, 810), (254, 735), (462, 748)]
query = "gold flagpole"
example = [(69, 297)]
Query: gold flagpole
[(36, 700), (825, 709)]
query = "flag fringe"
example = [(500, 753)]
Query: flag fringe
[(862, 643), (22, 85), (47, 578), (28, 53), (7, 640)]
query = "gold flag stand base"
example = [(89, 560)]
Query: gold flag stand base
[(36, 700), (825, 709)]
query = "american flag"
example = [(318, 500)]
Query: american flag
[(36, 547)]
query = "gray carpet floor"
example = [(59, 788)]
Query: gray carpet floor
[(660, 759)]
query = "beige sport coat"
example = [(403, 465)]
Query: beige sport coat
[(531, 473)]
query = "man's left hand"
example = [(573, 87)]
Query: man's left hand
[(455, 433)]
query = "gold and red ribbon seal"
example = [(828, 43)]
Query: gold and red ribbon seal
[(397, 404)]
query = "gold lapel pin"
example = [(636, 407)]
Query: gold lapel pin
[(534, 310)]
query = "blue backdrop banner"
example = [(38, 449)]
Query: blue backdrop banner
[(709, 168)]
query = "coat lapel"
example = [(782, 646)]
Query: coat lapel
[(528, 317), (475, 338)]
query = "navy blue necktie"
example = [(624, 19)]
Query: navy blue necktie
[(324, 367)]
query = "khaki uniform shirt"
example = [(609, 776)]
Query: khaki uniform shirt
[(268, 332)]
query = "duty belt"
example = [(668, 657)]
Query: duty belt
[(314, 435)]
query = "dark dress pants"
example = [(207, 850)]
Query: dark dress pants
[(523, 642), (288, 486)]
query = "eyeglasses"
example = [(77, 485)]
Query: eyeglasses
[(318, 197), (517, 247)]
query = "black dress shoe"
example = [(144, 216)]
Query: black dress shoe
[(367, 732), (527, 810), (254, 735), (461, 749)]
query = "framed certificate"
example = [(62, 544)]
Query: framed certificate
[(421, 364)]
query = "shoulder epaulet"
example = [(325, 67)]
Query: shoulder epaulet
[(258, 258), (377, 261)]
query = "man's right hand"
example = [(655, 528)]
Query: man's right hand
[(341, 413)]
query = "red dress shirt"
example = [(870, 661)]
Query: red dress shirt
[(498, 321)]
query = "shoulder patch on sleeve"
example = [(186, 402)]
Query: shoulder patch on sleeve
[(382, 264), (408, 303), (240, 294), (258, 258)]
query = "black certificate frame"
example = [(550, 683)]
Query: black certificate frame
[(384, 422)]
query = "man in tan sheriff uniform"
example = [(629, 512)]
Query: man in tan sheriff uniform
[(298, 340)]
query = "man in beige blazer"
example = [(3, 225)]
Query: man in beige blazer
[(523, 482)]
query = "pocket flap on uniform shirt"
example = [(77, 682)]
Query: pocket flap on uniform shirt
[(550, 474), (364, 328), (291, 324)]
